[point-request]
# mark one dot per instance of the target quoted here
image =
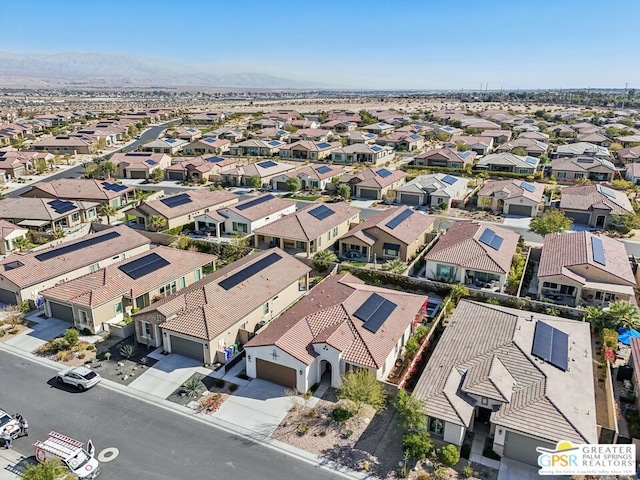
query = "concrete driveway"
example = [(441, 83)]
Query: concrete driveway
[(518, 222), (511, 469), (167, 375), (39, 334)]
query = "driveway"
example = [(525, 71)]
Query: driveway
[(518, 222), (167, 375), (363, 203), (510, 469), (39, 334)]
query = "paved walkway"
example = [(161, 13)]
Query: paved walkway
[(477, 447)]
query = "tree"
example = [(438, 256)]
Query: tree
[(22, 243), (344, 191), (552, 221), (157, 175), (519, 151), (71, 336), (417, 444), (411, 347), (322, 259), (237, 248), (449, 455), (293, 184), (457, 291), (58, 233), (462, 147), (13, 315), (49, 470), (396, 266), (107, 168), (625, 222), (620, 314), (108, 211), (156, 222), (615, 147), (255, 181), (142, 195), (361, 387), (411, 412)]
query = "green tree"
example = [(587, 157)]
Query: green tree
[(622, 314), (462, 147), (71, 336), (552, 221), (108, 211), (411, 347), (449, 455), (361, 388), (457, 291), (615, 147), (344, 191), (322, 259), (293, 184), (625, 222), (107, 168), (396, 266), (417, 444), (58, 233), (255, 181), (411, 412), (237, 248), (22, 243), (157, 175), (156, 222), (519, 151), (142, 195), (49, 470)]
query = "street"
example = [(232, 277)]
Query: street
[(153, 443)]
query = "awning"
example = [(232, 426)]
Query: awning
[(34, 223), (625, 336), (608, 287), (391, 246)]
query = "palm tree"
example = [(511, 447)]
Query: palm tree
[(108, 168), (58, 233), (156, 222), (395, 266), (22, 243), (142, 195), (323, 258), (108, 211)]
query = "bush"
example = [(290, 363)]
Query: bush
[(302, 430), (71, 336), (449, 455), (341, 415), (128, 350), (411, 348), (107, 356), (219, 383), (233, 387), (467, 471), (81, 356), (62, 354), (411, 411), (417, 444), (210, 403), (442, 473), (13, 331), (90, 348), (361, 387)]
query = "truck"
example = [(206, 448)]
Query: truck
[(71, 453)]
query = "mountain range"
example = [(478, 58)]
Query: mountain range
[(75, 69)]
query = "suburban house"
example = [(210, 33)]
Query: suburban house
[(373, 183), (508, 162), (584, 268), (480, 145), (628, 140), (363, 153), (434, 190), (633, 173), (180, 208), (63, 144), (359, 137), (42, 214), (541, 137), (24, 275), (511, 197), (205, 168), (339, 126), (578, 168), (90, 190), (393, 234), (256, 148), (139, 165), (9, 233), (267, 134), (495, 371), (474, 254), (212, 145), (409, 142), (315, 176), (210, 319), (341, 325), (499, 136), (629, 154), (207, 118), (308, 150), (580, 149), (170, 146), (533, 148), (189, 134), (379, 128), (445, 157), (316, 135), (594, 205), (265, 170), (595, 138), (15, 164), (231, 134), (109, 294), (309, 230)]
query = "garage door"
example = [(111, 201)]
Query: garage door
[(186, 347), (61, 312), (7, 296), (176, 175), (275, 373), (135, 174), (366, 193), (579, 218), (522, 210), (409, 199), (523, 448), (281, 186)]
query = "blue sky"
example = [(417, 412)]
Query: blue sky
[(421, 44)]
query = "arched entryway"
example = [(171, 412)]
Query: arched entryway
[(325, 373)]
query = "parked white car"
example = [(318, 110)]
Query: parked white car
[(7, 420), (82, 378)]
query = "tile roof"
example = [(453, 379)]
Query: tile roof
[(451, 153), (25, 269), (529, 144), (505, 158), (512, 189), (370, 178), (78, 189), (201, 198), (202, 164), (486, 350), (7, 228), (433, 184), (581, 164), (470, 140), (568, 254), (461, 245), (591, 197), (28, 208), (111, 282), (581, 148), (326, 315), (255, 169), (205, 310), (273, 204), (304, 227)]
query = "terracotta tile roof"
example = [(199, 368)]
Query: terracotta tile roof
[(273, 204), (509, 159), (564, 253), (580, 164), (512, 189), (27, 208), (25, 269), (205, 309), (311, 171), (131, 158), (451, 153), (371, 178), (305, 227), (7, 228), (201, 198), (326, 315), (79, 189), (469, 140), (486, 350), (529, 144), (202, 164), (111, 282), (461, 245), (255, 169), (407, 232), (591, 197)]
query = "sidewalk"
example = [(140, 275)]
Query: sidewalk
[(10, 462)]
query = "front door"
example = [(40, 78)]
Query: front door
[(600, 221)]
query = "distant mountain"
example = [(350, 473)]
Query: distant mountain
[(104, 70)]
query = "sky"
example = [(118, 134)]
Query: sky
[(392, 44)]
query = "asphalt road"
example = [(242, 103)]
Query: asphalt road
[(153, 443)]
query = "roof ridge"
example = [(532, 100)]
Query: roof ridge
[(546, 396)]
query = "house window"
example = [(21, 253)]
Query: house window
[(561, 175), (145, 330), (181, 282), (265, 309), (391, 252), (484, 401), (329, 235), (319, 241), (440, 201), (198, 275), (552, 286), (436, 426), (140, 303), (95, 267), (275, 299), (240, 227), (523, 171), (335, 231), (444, 272), (91, 213), (75, 217), (84, 317), (118, 308), (578, 175), (168, 289)]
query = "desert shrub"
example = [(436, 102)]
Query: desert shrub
[(62, 354), (302, 430), (71, 336), (128, 350), (417, 444), (13, 331), (107, 356), (449, 455), (192, 387), (81, 356), (424, 476), (361, 387), (90, 348), (210, 403), (219, 383), (467, 471), (442, 473), (233, 387), (341, 415)]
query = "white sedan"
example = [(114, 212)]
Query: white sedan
[(80, 377), (7, 421)]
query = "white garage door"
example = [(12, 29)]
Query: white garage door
[(523, 449)]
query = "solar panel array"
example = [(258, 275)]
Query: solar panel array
[(267, 164), (95, 240), (398, 219), (491, 239), (374, 312), (527, 186), (169, 140), (414, 137), (531, 161), (177, 200), (465, 154), (114, 187), (598, 251), (376, 148), (273, 143), (254, 202), (450, 180), (384, 173), (62, 206), (214, 159), (607, 191), (584, 160), (143, 266), (249, 271), (323, 145), (151, 162), (324, 169), (551, 345), (321, 212)]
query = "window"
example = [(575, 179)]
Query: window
[(553, 286), (440, 200), (484, 401), (319, 241), (140, 303), (181, 282), (523, 171), (335, 231), (168, 289), (91, 213), (436, 426), (118, 308), (265, 309), (329, 235), (75, 217), (145, 330), (84, 318), (561, 175), (578, 175), (240, 227), (390, 252), (95, 267), (198, 275), (275, 299), (444, 272)]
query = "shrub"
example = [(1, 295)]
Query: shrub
[(86, 332), (90, 348), (192, 387), (107, 356), (302, 430), (210, 403), (128, 350), (467, 471), (81, 356), (411, 348), (219, 383), (323, 433), (361, 387), (417, 444), (62, 354), (449, 455), (341, 415), (424, 476), (2, 333), (442, 473), (71, 336), (411, 411), (348, 433), (13, 331), (233, 387)]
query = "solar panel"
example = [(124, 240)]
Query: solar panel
[(465, 154), (384, 173), (607, 191), (323, 145), (449, 179), (116, 187), (584, 160), (273, 143), (267, 164), (491, 239), (324, 169), (321, 212), (531, 161), (598, 251), (249, 271), (65, 207), (144, 266), (253, 203), (214, 159), (374, 312), (527, 186), (169, 140), (551, 345), (151, 162), (398, 219), (176, 201), (49, 254), (414, 137), (55, 202)]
